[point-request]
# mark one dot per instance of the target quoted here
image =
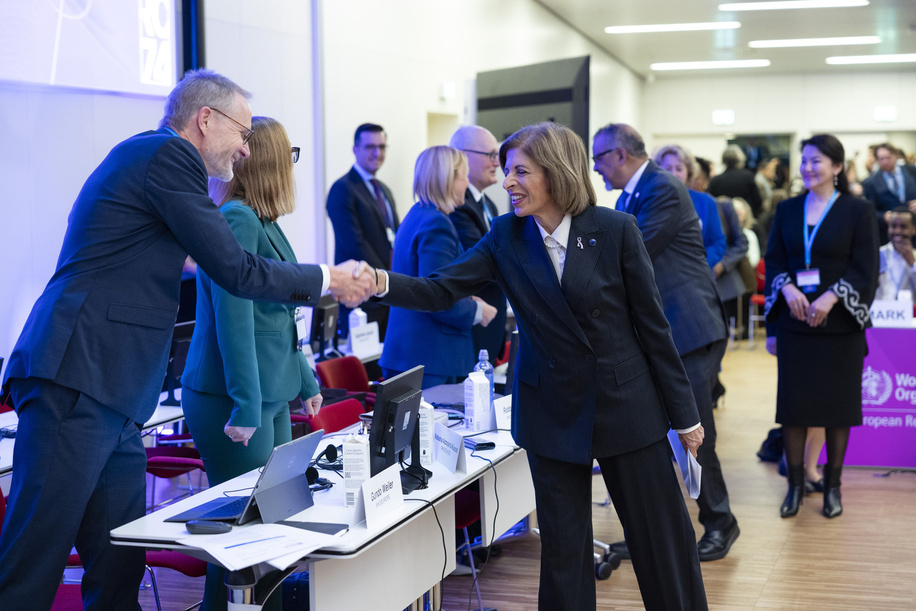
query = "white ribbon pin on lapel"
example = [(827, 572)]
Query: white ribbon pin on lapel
[(579, 243)]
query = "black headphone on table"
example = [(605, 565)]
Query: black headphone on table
[(330, 462)]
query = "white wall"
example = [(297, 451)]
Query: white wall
[(53, 139), (384, 62), (680, 109), (266, 47)]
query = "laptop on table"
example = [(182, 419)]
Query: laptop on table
[(282, 489)]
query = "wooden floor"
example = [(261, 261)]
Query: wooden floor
[(863, 560)]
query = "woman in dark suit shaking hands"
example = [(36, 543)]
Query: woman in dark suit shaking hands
[(597, 372), (427, 240), (822, 269), (243, 367)]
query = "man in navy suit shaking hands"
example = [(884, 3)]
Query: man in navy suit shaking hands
[(89, 364)]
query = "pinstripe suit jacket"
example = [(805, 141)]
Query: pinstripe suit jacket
[(597, 372)]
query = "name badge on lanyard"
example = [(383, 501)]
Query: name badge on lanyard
[(809, 279)]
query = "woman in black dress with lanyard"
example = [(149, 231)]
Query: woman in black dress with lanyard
[(822, 266)]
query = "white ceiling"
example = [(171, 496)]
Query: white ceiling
[(893, 20)]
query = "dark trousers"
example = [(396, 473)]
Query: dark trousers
[(645, 491), (79, 470), (702, 367), (206, 415)]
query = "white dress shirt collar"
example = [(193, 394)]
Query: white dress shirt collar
[(561, 235), (477, 193), (634, 180)]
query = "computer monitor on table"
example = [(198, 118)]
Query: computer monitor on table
[(178, 357), (394, 428), (324, 326)]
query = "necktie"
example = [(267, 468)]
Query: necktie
[(380, 200), (892, 183), (487, 210), (558, 256), (623, 202)]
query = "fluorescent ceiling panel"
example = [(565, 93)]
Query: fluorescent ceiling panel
[(672, 27), (815, 42), (712, 65), (790, 4)]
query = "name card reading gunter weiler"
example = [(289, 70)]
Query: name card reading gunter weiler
[(380, 495)]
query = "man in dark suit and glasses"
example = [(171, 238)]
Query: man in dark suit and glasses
[(88, 367), (668, 222), (597, 373), (364, 216), (474, 218)]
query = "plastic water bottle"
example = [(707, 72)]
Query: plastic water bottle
[(483, 364)]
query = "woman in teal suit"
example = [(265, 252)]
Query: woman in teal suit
[(243, 367)]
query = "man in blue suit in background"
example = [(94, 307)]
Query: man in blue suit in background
[(364, 216), (668, 222), (88, 367)]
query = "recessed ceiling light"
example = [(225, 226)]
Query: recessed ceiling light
[(672, 27), (790, 4), (712, 65), (815, 42), (872, 59)]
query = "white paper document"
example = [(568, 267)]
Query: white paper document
[(690, 468), (274, 544)]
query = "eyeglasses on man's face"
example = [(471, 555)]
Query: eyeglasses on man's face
[(598, 156), (246, 131), (491, 156), (295, 154)]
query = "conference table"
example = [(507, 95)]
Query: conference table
[(164, 414), (388, 566)]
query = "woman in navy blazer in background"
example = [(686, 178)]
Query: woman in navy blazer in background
[(426, 241), (243, 367)]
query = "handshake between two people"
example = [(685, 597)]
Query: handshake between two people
[(354, 282)]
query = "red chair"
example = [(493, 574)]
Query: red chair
[(160, 559), (172, 461), (467, 512), (346, 372), (758, 299), (68, 597), (337, 416)]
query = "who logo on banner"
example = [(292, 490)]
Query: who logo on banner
[(876, 386)]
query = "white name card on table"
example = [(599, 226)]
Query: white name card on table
[(364, 340), (379, 496), (503, 409), (891, 313), (450, 449)]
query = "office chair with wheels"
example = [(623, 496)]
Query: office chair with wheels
[(346, 372)]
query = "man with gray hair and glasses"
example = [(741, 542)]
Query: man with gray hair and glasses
[(88, 367), (668, 221)]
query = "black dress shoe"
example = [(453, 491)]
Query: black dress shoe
[(620, 550), (812, 486), (714, 544)]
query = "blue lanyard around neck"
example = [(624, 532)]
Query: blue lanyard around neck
[(810, 240)]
